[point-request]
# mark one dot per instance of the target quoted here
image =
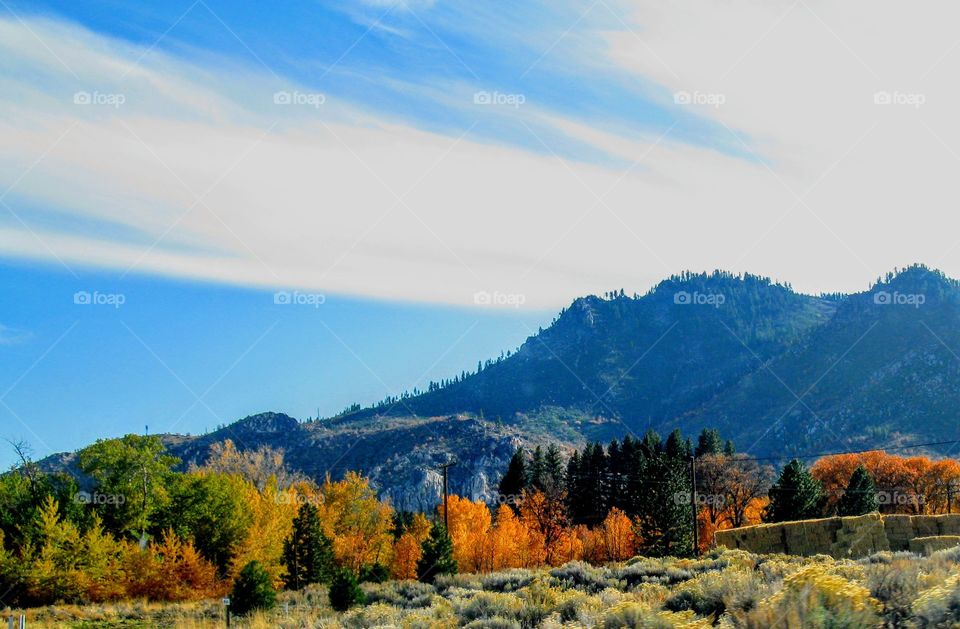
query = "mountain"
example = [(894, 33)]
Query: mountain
[(884, 369), (779, 372), (642, 359)]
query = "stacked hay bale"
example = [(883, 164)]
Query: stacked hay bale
[(947, 524), (859, 536), (762, 538), (925, 526), (810, 537), (850, 537), (929, 545), (899, 530)]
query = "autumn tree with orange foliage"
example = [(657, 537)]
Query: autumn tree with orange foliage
[(619, 541), (916, 485), (408, 548)]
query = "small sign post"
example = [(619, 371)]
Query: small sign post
[(226, 606)]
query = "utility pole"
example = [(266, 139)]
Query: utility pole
[(693, 505), (445, 467), (949, 496)]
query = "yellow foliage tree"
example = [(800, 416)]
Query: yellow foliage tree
[(356, 521), (616, 531), (469, 531)]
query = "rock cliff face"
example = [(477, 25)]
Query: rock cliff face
[(401, 456)]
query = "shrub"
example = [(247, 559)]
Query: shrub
[(405, 594), (940, 605), (345, 592), (376, 615), (253, 590), (458, 581), (490, 605), (507, 581), (581, 575), (634, 615), (493, 623), (896, 585), (816, 598), (714, 593)]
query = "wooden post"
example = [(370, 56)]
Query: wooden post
[(445, 467), (693, 505)]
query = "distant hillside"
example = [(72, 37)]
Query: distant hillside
[(640, 359), (778, 372), (884, 368)]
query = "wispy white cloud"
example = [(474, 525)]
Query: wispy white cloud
[(13, 336), (206, 177)]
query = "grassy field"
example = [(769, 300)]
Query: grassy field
[(725, 589)]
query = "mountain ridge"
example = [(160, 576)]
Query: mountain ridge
[(777, 371)]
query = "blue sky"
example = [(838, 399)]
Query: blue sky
[(73, 373), (401, 157)]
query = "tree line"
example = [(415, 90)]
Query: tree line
[(242, 524)]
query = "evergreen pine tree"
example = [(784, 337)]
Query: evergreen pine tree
[(677, 447), (860, 496), (515, 480), (709, 442), (574, 485), (307, 553), (595, 484), (796, 495), (651, 445), (344, 591), (437, 557), (252, 590), (538, 470), (664, 511), (553, 461)]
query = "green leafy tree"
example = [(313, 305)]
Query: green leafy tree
[(437, 557), (344, 591), (860, 496), (134, 473), (252, 590), (207, 509), (796, 495), (307, 553)]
